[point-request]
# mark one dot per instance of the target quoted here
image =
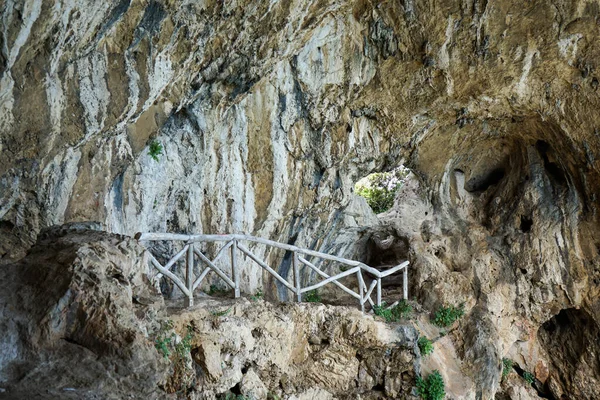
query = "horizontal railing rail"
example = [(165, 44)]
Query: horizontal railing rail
[(232, 244)]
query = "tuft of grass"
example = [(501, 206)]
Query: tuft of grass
[(507, 365), (220, 313), (432, 387), (529, 377), (425, 346), (257, 296), (402, 310), (155, 149), (446, 316), (313, 297)]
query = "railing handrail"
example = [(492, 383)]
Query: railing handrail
[(234, 236), (190, 285)]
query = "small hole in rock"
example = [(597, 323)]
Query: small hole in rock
[(6, 226), (526, 224), (378, 388), (236, 390), (523, 271)]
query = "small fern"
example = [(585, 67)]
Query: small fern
[(155, 150)]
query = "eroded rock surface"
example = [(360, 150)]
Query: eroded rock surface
[(268, 112), (81, 320)]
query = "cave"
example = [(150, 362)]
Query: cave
[(122, 122)]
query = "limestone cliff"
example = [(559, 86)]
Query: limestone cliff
[(268, 113), (80, 320)]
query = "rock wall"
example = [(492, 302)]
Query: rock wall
[(80, 320), (269, 112)]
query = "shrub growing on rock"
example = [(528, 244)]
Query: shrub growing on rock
[(313, 296), (528, 376), (425, 346), (402, 310), (446, 316), (432, 387)]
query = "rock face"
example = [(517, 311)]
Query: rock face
[(268, 112), (75, 316), (80, 320)]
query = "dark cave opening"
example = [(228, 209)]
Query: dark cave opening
[(526, 223), (483, 182), (386, 253), (6, 226), (553, 169)]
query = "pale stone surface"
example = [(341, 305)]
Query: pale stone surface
[(268, 112)]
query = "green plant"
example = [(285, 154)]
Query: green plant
[(432, 387), (425, 346), (528, 376), (185, 345), (313, 296), (163, 340), (402, 310), (216, 290), (379, 189), (155, 149), (507, 365), (257, 296), (221, 313), (446, 316), (162, 345)]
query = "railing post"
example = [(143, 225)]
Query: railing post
[(189, 275), (234, 269), (379, 292), (297, 283), (405, 282), (361, 290)]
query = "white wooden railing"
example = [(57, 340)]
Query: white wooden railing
[(232, 243)]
